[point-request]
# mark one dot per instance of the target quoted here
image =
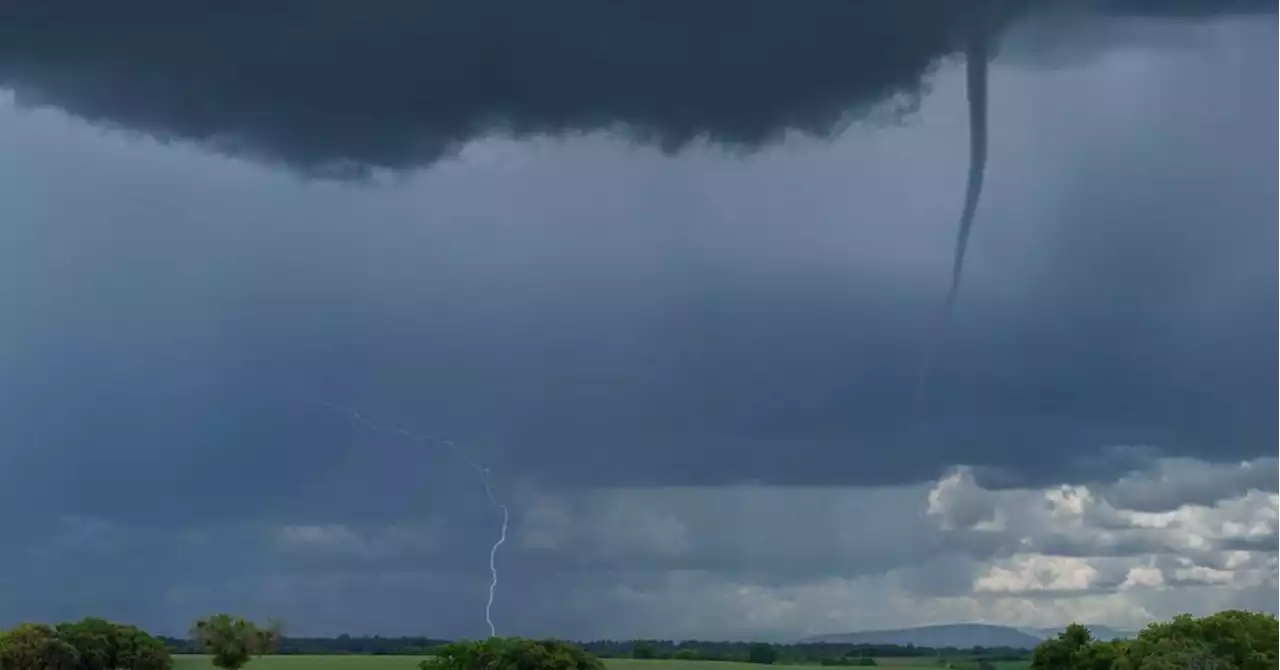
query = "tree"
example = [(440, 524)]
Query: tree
[(511, 654), (32, 646), (96, 642), (231, 641), (88, 644), (267, 640), (762, 652), (1230, 640), (136, 650), (1097, 655), (1233, 639), (642, 650), (1059, 653)]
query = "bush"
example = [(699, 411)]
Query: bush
[(233, 640), (95, 641), (762, 652), (1232, 639), (511, 654), (139, 651), (32, 646), (104, 645), (88, 644)]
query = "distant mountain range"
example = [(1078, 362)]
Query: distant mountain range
[(961, 635), (1099, 632)]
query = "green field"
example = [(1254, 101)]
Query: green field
[(411, 663), (183, 662), (633, 664), (896, 663)]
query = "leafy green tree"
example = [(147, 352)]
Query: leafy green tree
[(511, 654), (1060, 653), (762, 652), (230, 640), (642, 650), (96, 642), (88, 644), (1233, 639), (136, 650), (1177, 659), (1098, 655), (1229, 640), (32, 646)]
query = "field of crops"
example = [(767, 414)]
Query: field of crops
[(411, 663)]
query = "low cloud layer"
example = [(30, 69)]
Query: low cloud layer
[(750, 561)]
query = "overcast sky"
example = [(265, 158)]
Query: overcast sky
[(670, 281)]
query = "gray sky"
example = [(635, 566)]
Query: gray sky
[(674, 299)]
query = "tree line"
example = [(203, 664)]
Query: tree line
[(799, 653), (817, 653), (375, 645), (87, 644), (97, 644), (1228, 640)]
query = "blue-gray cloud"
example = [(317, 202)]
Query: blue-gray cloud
[(327, 87), (592, 316)]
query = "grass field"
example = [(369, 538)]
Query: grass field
[(183, 662), (904, 663), (411, 663)]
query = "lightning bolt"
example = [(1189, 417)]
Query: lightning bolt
[(375, 427)]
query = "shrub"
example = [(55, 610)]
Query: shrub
[(139, 651), (104, 645), (762, 652), (1232, 639), (232, 641), (511, 654), (32, 646)]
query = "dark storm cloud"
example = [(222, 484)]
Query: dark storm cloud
[(633, 336), (331, 85), (325, 578), (177, 323), (1178, 8)]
